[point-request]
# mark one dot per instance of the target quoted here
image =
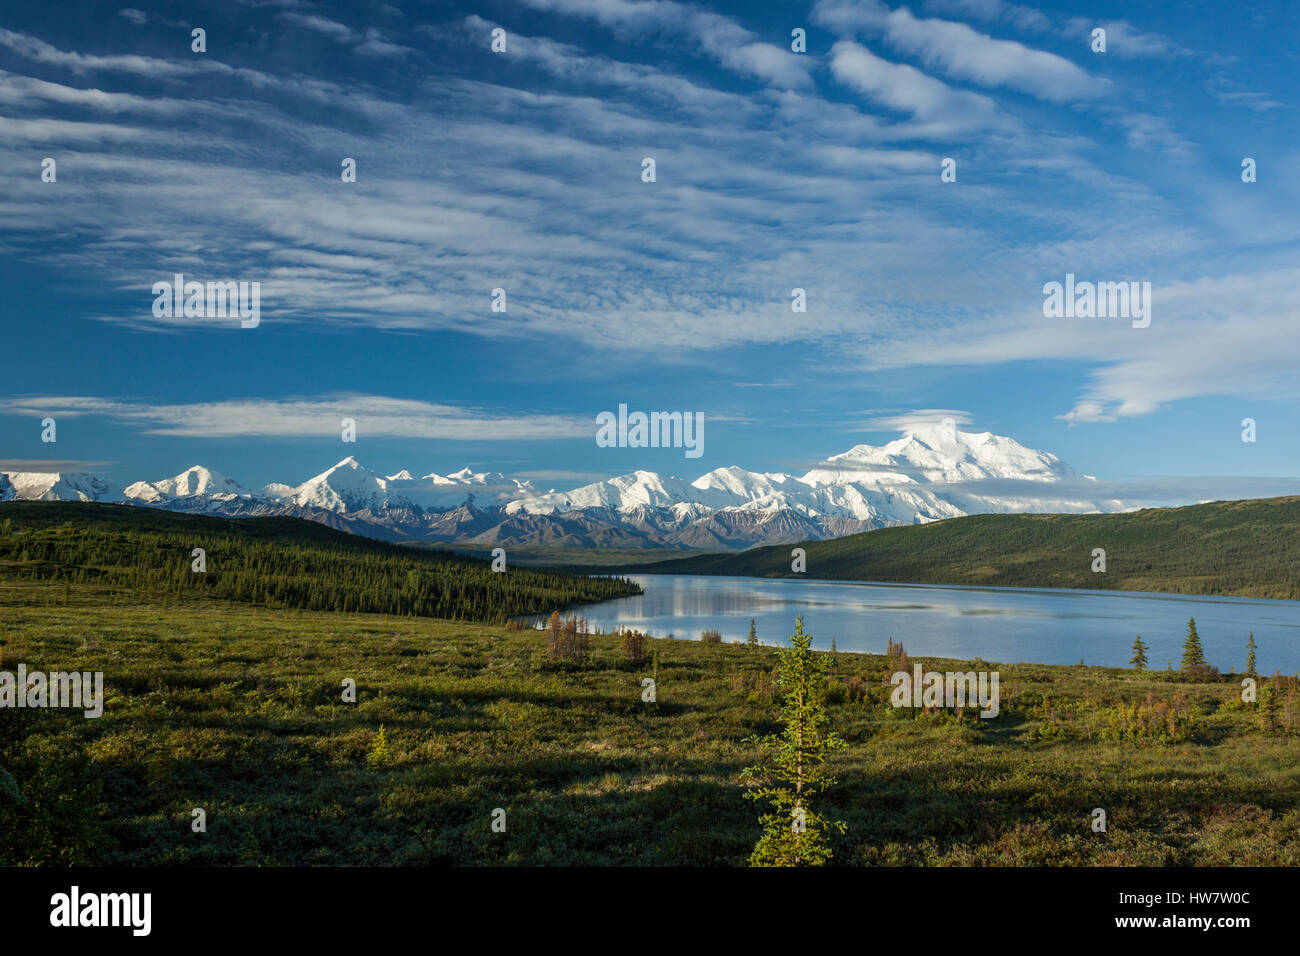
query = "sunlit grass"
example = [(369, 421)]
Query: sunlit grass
[(238, 710)]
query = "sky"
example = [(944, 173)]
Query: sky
[(774, 170)]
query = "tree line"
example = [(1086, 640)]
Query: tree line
[(278, 565)]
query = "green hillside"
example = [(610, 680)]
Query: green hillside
[(1244, 548), (274, 562)]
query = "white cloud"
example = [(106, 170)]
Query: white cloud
[(1087, 412), (1230, 335), (152, 68), (560, 475), (368, 43), (847, 17), (50, 464), (940, 109), (1227, 91), (374, 44), (376, 416), (311, 21), (537, 189), (722, 38), (41, 52), (962, 53), (903, 421), (1145, 131), (1022, 18), (1125, 40), (17, 91)]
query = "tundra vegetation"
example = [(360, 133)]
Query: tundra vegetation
[(237, 708)]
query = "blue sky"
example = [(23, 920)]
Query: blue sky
[(774, 170)]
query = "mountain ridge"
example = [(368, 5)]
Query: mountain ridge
[(1242, 548), (929, 473)]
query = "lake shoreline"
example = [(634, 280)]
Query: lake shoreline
[(1115, 592), (1047, 626)]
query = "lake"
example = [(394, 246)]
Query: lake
[(1005, 625)]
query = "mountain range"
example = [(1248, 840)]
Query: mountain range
[(928, 474)]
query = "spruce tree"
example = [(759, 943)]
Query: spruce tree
[(1193, 654), (1139, 659), (1250, 655), (794, 834), (752, 640), (1269, 704)]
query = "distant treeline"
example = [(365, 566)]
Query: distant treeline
[(1243, 548), (275, 562)]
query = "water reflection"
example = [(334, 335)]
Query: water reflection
[(998, 624)]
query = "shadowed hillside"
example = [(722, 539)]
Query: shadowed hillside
[(1244, 548), (275, 562)]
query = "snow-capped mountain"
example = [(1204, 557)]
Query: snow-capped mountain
[(941, 453), (927, 474), (347, 487), (54, 486), (194, 481)]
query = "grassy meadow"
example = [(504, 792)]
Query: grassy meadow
[(236, 708)]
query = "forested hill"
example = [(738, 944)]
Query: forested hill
[(276, 562), (1244, 548)]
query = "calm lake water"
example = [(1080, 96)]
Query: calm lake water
[(1005, 625)]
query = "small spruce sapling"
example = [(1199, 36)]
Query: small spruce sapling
[(1139, 658), (794, 833), (1193, 653)]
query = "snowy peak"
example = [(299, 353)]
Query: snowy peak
[(467, 477), (737, 488), (928, 473), (637, 489), (349, 487), (54, 486), (346, 487), (940, 453), (739, 483), (194, 482), (913, 478)]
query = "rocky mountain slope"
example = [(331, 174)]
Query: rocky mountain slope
[(927, 474)]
